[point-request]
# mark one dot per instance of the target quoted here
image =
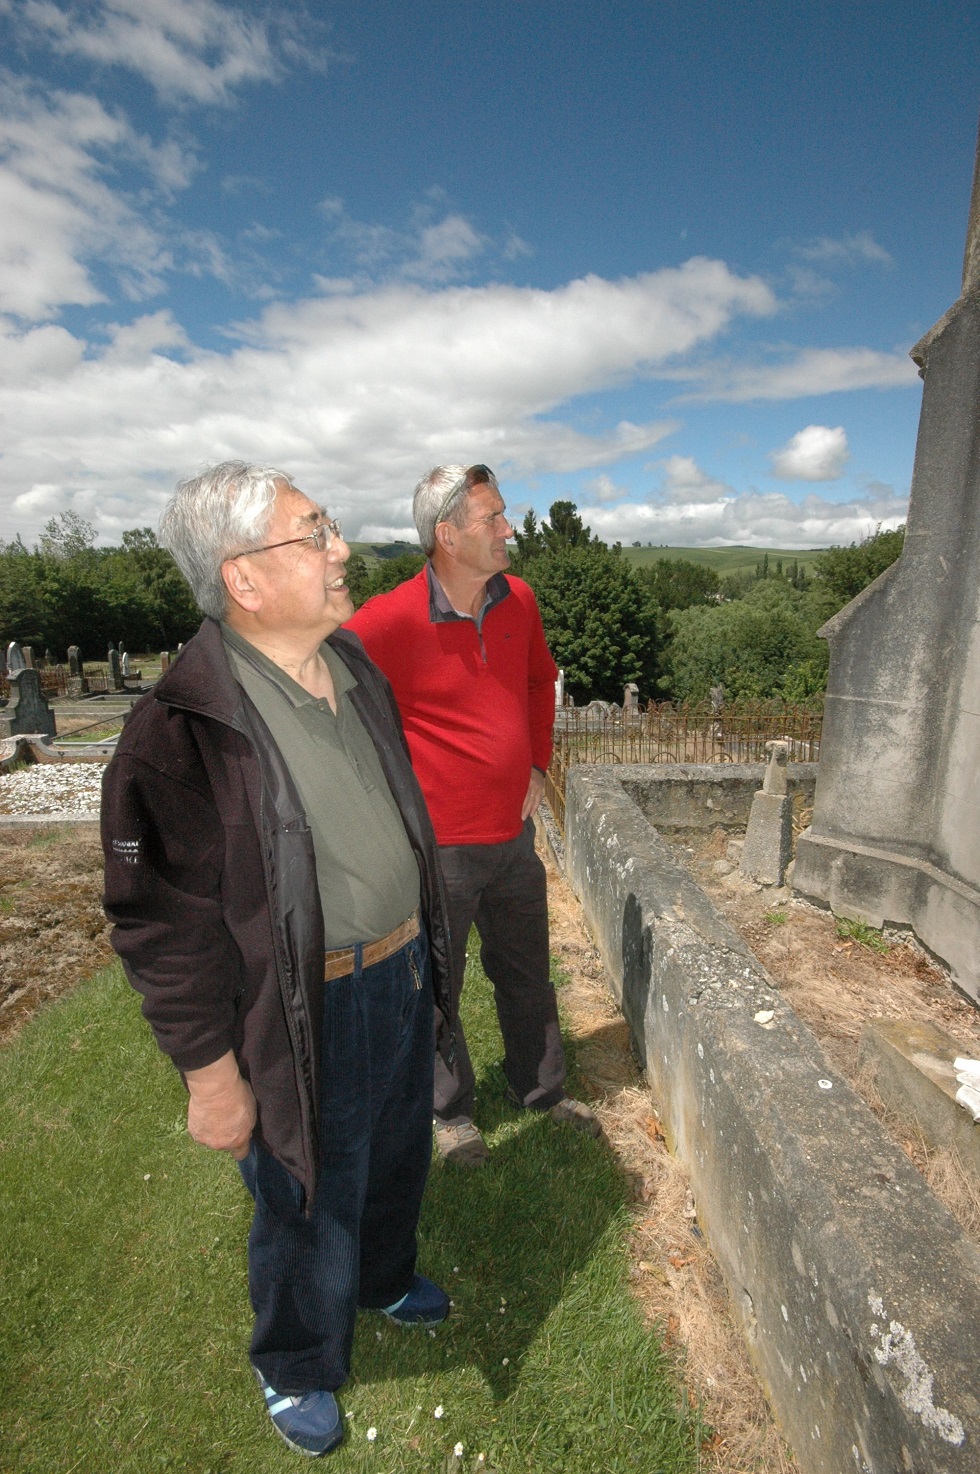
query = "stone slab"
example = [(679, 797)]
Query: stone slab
[(858, 1294), (706, 795), (768, 844), (913, 1067)]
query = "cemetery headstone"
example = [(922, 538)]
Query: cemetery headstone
[(28, 709), (15, 658), (115, 670)]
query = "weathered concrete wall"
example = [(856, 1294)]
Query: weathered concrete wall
[(896, 823), (858, 1294), (702, 795)]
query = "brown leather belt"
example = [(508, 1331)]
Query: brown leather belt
[(340, 964)]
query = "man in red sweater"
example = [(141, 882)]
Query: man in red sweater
[(464, 650)]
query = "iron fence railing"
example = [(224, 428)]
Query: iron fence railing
[(677, 732), (54, 679)]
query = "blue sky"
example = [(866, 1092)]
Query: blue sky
[(664, 260)]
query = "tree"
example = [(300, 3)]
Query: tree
[(599, 620), (677, 583), (841, 573), (67, 536), (764, 644), (386, 574), (566, 529)]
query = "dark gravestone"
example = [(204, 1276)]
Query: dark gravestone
[(27, 710), (28, 654), (77, 684), (115, 670)]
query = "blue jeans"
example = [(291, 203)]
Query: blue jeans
[(307, 1274)]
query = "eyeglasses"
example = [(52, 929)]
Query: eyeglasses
[(321, 537), (474, 476)]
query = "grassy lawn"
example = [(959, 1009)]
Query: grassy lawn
[(124, 1302)]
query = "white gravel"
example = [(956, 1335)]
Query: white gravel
[(53, 788)]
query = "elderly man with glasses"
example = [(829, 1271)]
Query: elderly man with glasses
[(463, 647), (275, 890)]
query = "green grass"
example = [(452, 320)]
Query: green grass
[(858, 931), (124, 1302), (98, 733)]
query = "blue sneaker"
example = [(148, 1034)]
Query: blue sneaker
[(311, 1424), (424, 1305)]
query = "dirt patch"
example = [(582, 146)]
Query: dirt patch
[(836, 982), (52, 929), (675, 1277)]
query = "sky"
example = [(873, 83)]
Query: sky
[(664, 260)]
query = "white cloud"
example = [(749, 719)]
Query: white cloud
[(354, 393), (604, 489), (188, 50), (751, 519), (847, 250), (816, 453), (810, 371), (59, 218), (686, 484)]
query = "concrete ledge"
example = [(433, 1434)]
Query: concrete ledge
[(858, 1293), (914, 1074), (877, 885), (703, 795)]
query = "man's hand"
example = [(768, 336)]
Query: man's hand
[(534, 795), (221, 1111)]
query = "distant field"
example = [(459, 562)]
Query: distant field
[(725, 560), (722, 560), (373, 552)]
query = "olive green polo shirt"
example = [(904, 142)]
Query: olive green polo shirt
[(366, 871)]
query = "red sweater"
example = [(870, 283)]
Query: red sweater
[(477, 706)]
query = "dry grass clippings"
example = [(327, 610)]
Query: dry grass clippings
[(53, 932), (674, 1275)]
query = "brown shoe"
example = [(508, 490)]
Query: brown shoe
[(576, 1114), (460, 1143)]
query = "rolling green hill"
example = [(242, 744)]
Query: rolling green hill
[(723, 560)]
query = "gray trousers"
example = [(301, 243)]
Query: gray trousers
[(502, 888)]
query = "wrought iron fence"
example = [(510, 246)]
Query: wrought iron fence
[(55, 678), (677, 732)]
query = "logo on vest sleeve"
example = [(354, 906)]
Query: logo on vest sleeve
[(126, 851)]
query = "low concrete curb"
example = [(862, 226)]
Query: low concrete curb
[(858, 1294), (914, 1074)]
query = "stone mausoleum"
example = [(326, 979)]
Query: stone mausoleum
[(896, 822)]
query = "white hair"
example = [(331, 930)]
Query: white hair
[(213, 516)]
